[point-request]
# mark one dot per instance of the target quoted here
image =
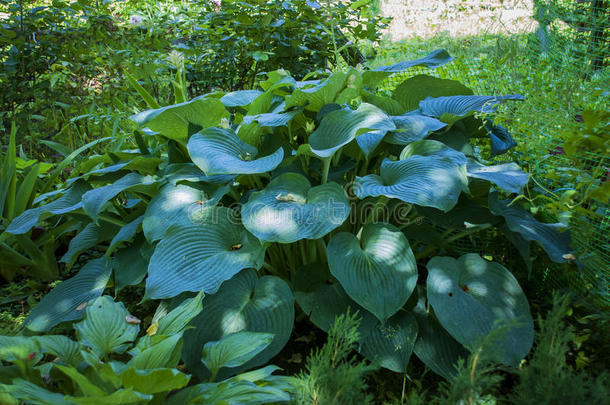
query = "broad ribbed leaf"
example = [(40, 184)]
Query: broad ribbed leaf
[(472, 297), (17, 347), (68, 202), (32, 393), (417, 88), (94, 200), (508, 176), (202, 257), (434, 346), (372, 78), (340, 127), (430, 174), (554, 238), (105, 328), (178, 172), (234, 350), (412, 127), (387, 104), (178, 121), (289, 209), (381, 260), (176, 320), (157, 351), (90, 236), (62, 347), (178, 205), (320, 296), (244, 303), (220, 151), (390, 344), (62, 303), (452, 108)]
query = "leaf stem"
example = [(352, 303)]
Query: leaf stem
[(325, 169)]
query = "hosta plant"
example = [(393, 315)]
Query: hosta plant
[(311, 197), (107, 364)]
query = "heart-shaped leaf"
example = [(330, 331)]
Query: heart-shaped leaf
[(179, 121), (289, 209), (105, 328), (430, 174), (220, 151), (244, 303), (340, 127), (64, 302), (202, 257), (472, 298), (381, 260)]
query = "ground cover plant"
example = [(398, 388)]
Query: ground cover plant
[(320, 193)]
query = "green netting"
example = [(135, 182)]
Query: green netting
[(561, 64)]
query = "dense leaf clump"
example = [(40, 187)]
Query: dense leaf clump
[(321, 193)]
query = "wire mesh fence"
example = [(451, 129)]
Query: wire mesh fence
[(559, 59)]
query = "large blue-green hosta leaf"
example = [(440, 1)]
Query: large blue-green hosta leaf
[(240, 98), (289, 209), (68, 202), (500, 138), (64, 302), (94, 200), (508, 176), (412, 127), (381, 260), (202, 256), (429, 174), (554, 238), (434, 346), (178, 205), (244, 303), (90, 236), (472, 298), (439, 57), (417, 88), (340, 127), (389, 344), (321, 297), (221, 151), (452, 108), (179, 121)]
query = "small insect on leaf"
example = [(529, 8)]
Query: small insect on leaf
[(31, 356), (237, 246), (152, 329), (246, 156), (569, 256), (81, 306), (132, 319), (465, 288)]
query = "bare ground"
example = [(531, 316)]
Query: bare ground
[(426, 18)]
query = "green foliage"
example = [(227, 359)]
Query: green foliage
[(333, 374), (92, 368), (218, 198), (240, 39)]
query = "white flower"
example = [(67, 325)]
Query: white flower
[(135, 20)]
